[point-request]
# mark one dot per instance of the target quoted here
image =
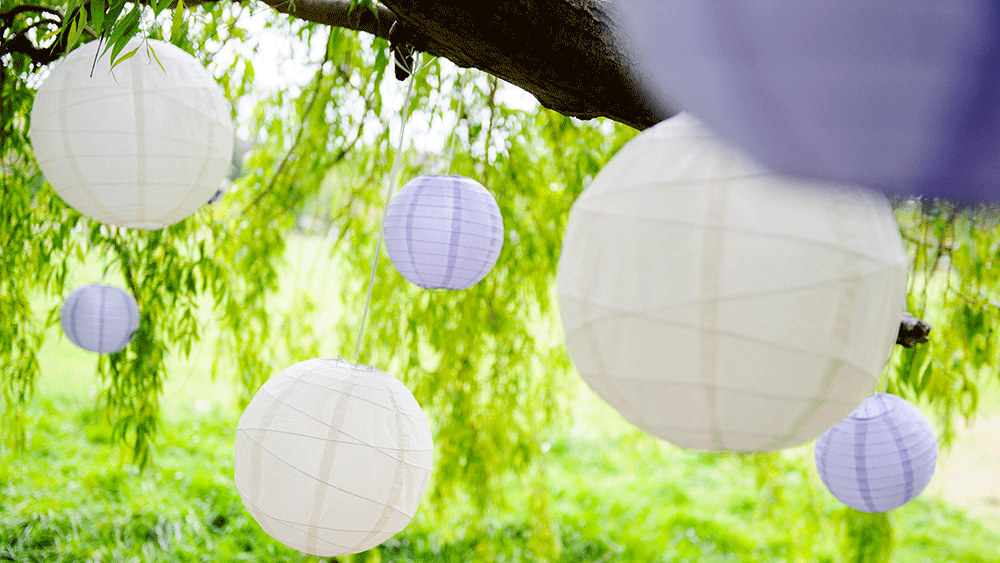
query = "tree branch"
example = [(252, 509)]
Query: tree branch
[(126, 263), (567, 53), (333, 13), (912, 331)]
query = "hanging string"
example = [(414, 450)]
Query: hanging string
[(104, 260), (458, 120), (405, 114), (888, 371)]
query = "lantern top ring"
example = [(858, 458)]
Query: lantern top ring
[(874, 409), (356, 365)]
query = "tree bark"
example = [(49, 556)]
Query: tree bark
[(567, 53), (912, 331)]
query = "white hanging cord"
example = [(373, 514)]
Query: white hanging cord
[(458, 120), (104, 270), (105, 260), (888, 370), (405, 113)]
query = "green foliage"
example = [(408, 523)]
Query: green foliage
[(618, 496), (483, 362), (867, 538), (487, 364), (954, 285)]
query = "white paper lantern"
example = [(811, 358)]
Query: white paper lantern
[(720, 306), (443, 231), (880, 457), (100, 318), (332, 458), (140, 146), (894, 94)]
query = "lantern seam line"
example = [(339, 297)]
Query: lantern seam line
[(331, 485), (456, 232), (117, 93), (380, 449), (102, 312), (598, 214), (67, 146), (395, 490), (140, 149), (384, 451), (297, 526), (329, 450), (335, 384), (734, 336), (129, 133), (414, 416), (734, 390), (739, 296), (73, 312), (258, 510)]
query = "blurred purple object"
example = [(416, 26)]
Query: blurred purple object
[(902, 95)]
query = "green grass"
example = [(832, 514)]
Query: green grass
[(613, 494)]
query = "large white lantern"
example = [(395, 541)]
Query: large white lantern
[(720, 306), (894, 94), (139, 146), (879, 457), (100, 318), (332, 458), (443, 231)]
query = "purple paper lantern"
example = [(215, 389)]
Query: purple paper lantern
[(896, 94), (880, 457), (443, 232), (100, 318)]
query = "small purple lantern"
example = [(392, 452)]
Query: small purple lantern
[(898, 95), (880, 457), (443, 232), (100, 318)]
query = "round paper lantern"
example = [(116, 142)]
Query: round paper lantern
[(100, 318), (139, 146), (880, 457), (332, 458), (720, 306), (443, 231), (895, 94)]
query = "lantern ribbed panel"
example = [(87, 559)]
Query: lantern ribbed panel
[(142, 148), (100, 318), (894, 94), (443, 231), (723, 307), (332, 458), (879, 457)]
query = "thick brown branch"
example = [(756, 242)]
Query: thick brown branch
[(567, 53), (912, 331), (334, 13)]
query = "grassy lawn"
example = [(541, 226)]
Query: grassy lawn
[(609, 492)]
